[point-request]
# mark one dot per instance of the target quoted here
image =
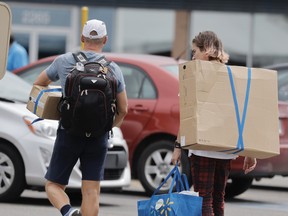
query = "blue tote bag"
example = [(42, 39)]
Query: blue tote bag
[(172, 204)]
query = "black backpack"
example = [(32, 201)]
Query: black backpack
[(89, 104)]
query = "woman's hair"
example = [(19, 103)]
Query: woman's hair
[(209, 42)]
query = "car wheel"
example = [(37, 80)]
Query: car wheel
[(155, 164), (237, 186), (12, 180)]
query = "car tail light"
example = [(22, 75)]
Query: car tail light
[(281, 131)]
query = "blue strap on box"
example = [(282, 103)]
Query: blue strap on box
[(38, 99), (240, 124)]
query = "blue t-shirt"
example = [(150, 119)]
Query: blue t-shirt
[(17, 56), (63, 64)]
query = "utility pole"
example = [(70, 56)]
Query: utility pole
[(84, 13), (181, 45)]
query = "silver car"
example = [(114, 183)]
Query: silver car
[(25, 149)]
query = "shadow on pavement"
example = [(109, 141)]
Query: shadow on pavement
[(257, 187), (241, 200), (272, 188), (43, 201), (125, 192), (29, 201)]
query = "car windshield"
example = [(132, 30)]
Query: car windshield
[(172, 69), (283, 84), (14, 88)]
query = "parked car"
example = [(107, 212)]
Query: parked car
[(151, 125), (25, 148)]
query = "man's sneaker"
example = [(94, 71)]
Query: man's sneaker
[(73, 212)]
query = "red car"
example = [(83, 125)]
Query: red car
[(151, 125)]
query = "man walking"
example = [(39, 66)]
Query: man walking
[(68, 148)]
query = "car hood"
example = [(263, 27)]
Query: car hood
[(15, 111), (16, 108)]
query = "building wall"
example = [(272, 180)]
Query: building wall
[(251, 39), (246, 35)]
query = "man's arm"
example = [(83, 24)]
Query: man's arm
[(122, 107), (42, 79)]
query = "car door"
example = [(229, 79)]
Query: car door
[(142, 99)]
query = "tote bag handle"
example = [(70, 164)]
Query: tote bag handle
[(180, 186)]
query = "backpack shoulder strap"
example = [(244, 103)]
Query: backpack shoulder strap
[(80, 57), (104, 61)]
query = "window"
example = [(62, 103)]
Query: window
[(32, 73), (138, 84)]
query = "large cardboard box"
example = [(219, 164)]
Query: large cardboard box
[(43, 101), (233, 111), (5, 19)]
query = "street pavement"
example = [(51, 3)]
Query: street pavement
[(267, 197)]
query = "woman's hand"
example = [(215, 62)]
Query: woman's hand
[(249, 164), (176, 156)]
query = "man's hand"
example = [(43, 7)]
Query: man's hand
[(176, 157), (249, 164)]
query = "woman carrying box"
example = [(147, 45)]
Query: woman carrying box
[(210, 170)]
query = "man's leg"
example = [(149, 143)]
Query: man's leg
[(56, 194), (90, 198)]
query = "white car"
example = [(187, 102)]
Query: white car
[(25, 149)]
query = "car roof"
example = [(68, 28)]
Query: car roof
[(144, 58), (277, 66), (126, 57)]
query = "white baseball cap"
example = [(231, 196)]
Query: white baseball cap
[(94, 25)]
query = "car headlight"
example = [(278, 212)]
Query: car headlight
[(41, 128), (117, 132), (46, 155)]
